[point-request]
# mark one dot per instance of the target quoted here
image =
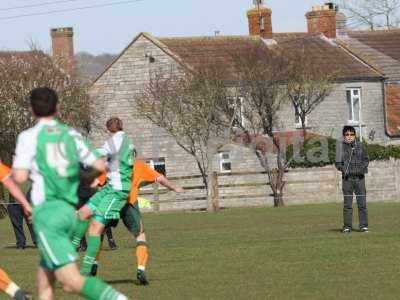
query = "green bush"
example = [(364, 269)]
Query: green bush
[(313, 146)]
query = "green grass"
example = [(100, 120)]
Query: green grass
[(254, 253)]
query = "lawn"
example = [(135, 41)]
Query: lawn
[(296, 252)]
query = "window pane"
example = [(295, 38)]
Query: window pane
[(226, 166), (355, 92), (356, 109), (349, 105)]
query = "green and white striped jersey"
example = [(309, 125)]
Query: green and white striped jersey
[(52, 151), (120, 153)]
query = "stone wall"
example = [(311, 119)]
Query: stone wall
[(303, 186)]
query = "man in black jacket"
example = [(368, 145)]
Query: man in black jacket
[(352, 160)]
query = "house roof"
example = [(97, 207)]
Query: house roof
[(196, 51), (380, 49)]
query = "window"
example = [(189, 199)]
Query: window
[(157, 164), (225, 164), (236, 104), (353, 96)]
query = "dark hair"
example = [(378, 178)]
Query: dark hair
[(114, 124), (347, 129), (43, 101)]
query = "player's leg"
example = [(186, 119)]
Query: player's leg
[(110, 238), (84, 214), (11, 288), (45, 280), (90, 288), (132, 219), (96, 228)]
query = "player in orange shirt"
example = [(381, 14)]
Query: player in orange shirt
[(131, 216), (6, 284)]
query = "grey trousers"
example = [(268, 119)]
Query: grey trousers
[(350, 187)]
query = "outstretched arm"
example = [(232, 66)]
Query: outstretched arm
[(165, 182)]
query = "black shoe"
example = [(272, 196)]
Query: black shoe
[(346, 230), (93, 271), (364, 229), (141, 276), (112, 244), (21, 247)]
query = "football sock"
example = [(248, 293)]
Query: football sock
[(4, 280), (10, 288), (91, 253), (100, 251), (81, 228), (142, 255), (95, 289)]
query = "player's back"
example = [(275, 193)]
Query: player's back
[(54, 150)]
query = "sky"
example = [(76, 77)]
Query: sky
[(110, 28)]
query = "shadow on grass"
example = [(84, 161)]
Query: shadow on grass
[(15, 247), (121, 281), (337, 230)]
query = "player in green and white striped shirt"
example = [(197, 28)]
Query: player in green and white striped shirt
[(106, 204), (50, 152)]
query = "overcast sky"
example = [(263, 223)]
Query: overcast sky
[(110, 28)]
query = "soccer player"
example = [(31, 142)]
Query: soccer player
[(50, 152), (131, 216), (6, 284), (106, 204)]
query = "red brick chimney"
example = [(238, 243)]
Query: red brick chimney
[(63, 48), (322, 19), (260, 22)]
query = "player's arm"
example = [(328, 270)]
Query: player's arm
[(165, 182), (24, 156), (15, 191), (12, 187), (89, 156)]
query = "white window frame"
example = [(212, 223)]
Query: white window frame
[(352, 120), (225, 160)]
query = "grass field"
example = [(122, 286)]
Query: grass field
[(255, 253)]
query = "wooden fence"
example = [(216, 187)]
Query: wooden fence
[(303, 186)]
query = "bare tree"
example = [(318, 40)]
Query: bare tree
[(189, 107), (307, 82), (260, 75), (372, 13), (20, 72)]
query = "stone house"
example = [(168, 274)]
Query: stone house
[(358, 97)]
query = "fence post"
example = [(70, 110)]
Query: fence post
[(396, 175), (156, 197), (215, 191)]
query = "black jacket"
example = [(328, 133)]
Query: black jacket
[(351, 159)]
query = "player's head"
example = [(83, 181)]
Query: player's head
[(43, 102), (114, 125)]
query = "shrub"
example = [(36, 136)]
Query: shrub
[(314, 157)]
